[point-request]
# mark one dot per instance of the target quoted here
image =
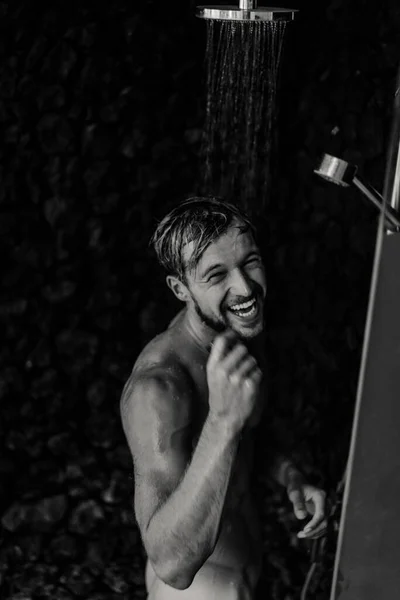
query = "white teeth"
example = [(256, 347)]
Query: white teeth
[(248, 313), (244, 305)]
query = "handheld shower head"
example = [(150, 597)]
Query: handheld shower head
[(246, 11), (338, 171)]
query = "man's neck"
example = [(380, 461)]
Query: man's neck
[(202, 334)]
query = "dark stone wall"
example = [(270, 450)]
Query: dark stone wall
[(101, 108)]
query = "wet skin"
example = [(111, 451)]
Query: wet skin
[(229, 273), (239, 542)]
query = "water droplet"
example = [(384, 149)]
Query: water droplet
[(242, 64)]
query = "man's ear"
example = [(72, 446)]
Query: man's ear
[(180, 290)]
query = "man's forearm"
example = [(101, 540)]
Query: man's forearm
[(184, 529)]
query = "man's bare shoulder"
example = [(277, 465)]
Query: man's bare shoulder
[(163, 351), (164, 382), (156, 414), (160, 384)]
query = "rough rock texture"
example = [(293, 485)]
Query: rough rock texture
[(101, 108)]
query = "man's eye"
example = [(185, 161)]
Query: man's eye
[(216, 276), (253, 261)]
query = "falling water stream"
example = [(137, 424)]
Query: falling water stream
[(242, 64)]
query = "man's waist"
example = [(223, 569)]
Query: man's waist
[(236, 547)]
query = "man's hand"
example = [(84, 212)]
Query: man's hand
[(308, 500), (233, 378)]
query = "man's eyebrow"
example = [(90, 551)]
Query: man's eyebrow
[(253, 252), (211, 268)]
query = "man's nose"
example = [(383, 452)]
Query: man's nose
[(240, 283)]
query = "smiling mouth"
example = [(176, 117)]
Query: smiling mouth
[(245, 309)]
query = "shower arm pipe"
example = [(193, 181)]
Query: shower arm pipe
[(247, 4), (370, 192), (338, 171), (392, 179)]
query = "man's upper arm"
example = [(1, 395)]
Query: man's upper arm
[(155, 411)]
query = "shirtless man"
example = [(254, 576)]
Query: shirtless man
[(188, 408)]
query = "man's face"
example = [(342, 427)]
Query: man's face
[(228, 285)]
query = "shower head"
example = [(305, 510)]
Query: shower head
[(336, 170), (246, 11)]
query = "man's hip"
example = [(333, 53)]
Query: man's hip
[(212, 582)]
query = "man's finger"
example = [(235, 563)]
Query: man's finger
[(222, 345), (317, 498), (315, 532), (319, 515), (235, 358), (299, 506)]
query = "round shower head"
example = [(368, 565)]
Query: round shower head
[(336, 170), (246, 11)]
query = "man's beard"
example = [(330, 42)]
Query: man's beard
[(217, 325)]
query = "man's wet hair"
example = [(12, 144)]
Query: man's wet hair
[(198, 219)]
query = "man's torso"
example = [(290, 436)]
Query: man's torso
[(239, 542)]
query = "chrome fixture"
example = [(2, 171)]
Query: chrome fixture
[(247, 10), (338, 171)]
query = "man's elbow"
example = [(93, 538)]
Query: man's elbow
[(176, 569), (179, 581), (175, 575), (179, 572)]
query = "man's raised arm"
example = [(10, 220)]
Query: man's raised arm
[(179, 498)]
